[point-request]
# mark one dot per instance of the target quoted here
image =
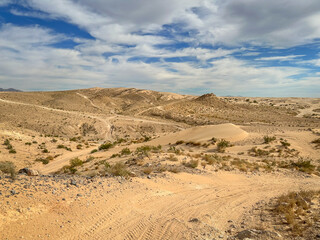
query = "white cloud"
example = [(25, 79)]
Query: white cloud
[(280, 58)]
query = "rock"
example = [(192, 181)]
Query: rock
[(79, 195), (73, 182), (194, 220), (149, 177), (13, 192), (32, 172)]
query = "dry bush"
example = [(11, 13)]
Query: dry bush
[(222, 145), (8, 167), (191, 164), (118, 169)]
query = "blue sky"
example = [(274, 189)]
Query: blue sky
[(228, 47)]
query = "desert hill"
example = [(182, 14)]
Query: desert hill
[(9, 90)]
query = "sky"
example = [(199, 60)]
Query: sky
[(228, 47)]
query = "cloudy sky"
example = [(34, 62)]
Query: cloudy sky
[(229, 47)]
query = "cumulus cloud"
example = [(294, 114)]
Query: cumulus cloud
[(211, 33)]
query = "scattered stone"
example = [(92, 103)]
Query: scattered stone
[(13, 192)]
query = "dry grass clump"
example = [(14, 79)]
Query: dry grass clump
[(301, 165), (118, 169), (75, 162), (257, 152), (8, 167), (295, 210), (61, 146), (172, 158), (191, 164), (244, 165), (106, 146), (44, 160), (144, 151)]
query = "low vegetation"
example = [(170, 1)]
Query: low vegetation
[(9, 168), (118, 169)]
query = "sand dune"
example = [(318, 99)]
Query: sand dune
[(227, 131)]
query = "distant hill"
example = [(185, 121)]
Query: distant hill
[(9, 90)]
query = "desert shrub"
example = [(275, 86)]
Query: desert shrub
[(125, 151), (118, 169), (267, 139), (222, 145), (45, 150), (8, 167), (6, 142), (94, 151), (106, 146), (43, 160), (191, 164), (293, 207), (12, 151), (316, 142), (76, 162), (257, 152), (175, 150), (28, 143), (173, 158), (79, 146), (179, 142), (285, 143), (115, 155), (173, 169), (213, 140), (144, 150), (194, 144)]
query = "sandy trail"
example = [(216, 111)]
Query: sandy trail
[(160, 208)]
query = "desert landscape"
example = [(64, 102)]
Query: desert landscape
[(127, 163)]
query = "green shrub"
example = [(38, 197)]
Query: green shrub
[(106, 146), (222, 145), (125, 151), (8, 167), (285, 143), (94, 151), (76, 162), (12, 151), (6, 142), (268, 139)]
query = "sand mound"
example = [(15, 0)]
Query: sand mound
[(226, 131)]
